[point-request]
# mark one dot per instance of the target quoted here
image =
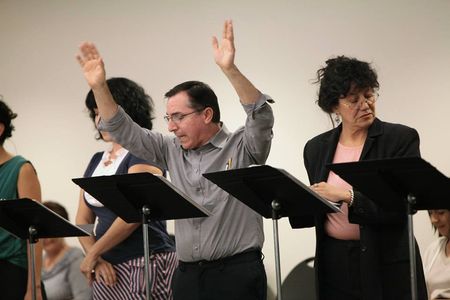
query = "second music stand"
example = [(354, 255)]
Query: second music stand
[(273, 193), (141, 197), (399, 184)]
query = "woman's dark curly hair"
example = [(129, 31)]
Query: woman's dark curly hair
[(131, 97), (6, 115), (339, 76)]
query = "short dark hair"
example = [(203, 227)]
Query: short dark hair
[(131, 97), (200, 95), (6, 115), (339, 76), (57, 208)]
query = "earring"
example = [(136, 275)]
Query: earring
[(337, 119)]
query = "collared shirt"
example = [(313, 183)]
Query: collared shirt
[(233, 227)]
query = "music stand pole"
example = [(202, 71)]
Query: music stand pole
[(276, 206), (145, 216), (32, 231), (411, 201)]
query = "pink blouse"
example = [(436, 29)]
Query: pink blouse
[(337, 224)]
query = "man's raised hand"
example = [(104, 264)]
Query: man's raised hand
[(92, 65)]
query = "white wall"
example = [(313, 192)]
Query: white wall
[(280, 45)]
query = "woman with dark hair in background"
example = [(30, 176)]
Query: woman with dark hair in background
[(436, 259), (114, 260), (61, 266), (361, 253), (18, 179)]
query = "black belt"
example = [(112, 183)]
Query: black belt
[(234, 259)]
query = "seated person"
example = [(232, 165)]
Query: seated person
[(436, 261), (61, 266)]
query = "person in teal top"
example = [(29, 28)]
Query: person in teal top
[(18, 179)]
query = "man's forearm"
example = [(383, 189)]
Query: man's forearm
[(107, 107), (247, 92)]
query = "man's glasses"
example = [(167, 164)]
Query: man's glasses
[(178, 117), (356, 101)]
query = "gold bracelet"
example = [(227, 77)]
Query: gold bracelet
[(352, 197)]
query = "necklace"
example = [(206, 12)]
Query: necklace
[(111, 156), (108, 161)]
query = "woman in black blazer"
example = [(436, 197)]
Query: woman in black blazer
[(362, 253)]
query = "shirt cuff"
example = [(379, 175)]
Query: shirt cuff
[(249, 108), (114, 122)]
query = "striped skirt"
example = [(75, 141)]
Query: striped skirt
[(131, 279)]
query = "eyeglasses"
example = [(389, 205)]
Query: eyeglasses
[(356, 101), (178, 117)]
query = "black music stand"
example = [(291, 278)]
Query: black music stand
[(141, 197), (399, 184), (30, 220), (273, 193)]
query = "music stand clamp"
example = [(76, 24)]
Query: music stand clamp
[(30, 220), (399, 184), (141, 197), (273, 193)]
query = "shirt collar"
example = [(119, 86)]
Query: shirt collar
[(221, 137), (218, 140)]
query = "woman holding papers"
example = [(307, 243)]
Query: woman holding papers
[(361, 253)]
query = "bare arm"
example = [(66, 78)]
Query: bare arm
[(331, 192), (94, 72), (119, 231), (28, 187), (116, 233), (84, 216), (224, 57)]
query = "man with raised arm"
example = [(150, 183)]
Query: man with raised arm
[(219, 256)]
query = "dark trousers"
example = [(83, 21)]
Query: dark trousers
[(13, 281), (238, 277), (340, 270)]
